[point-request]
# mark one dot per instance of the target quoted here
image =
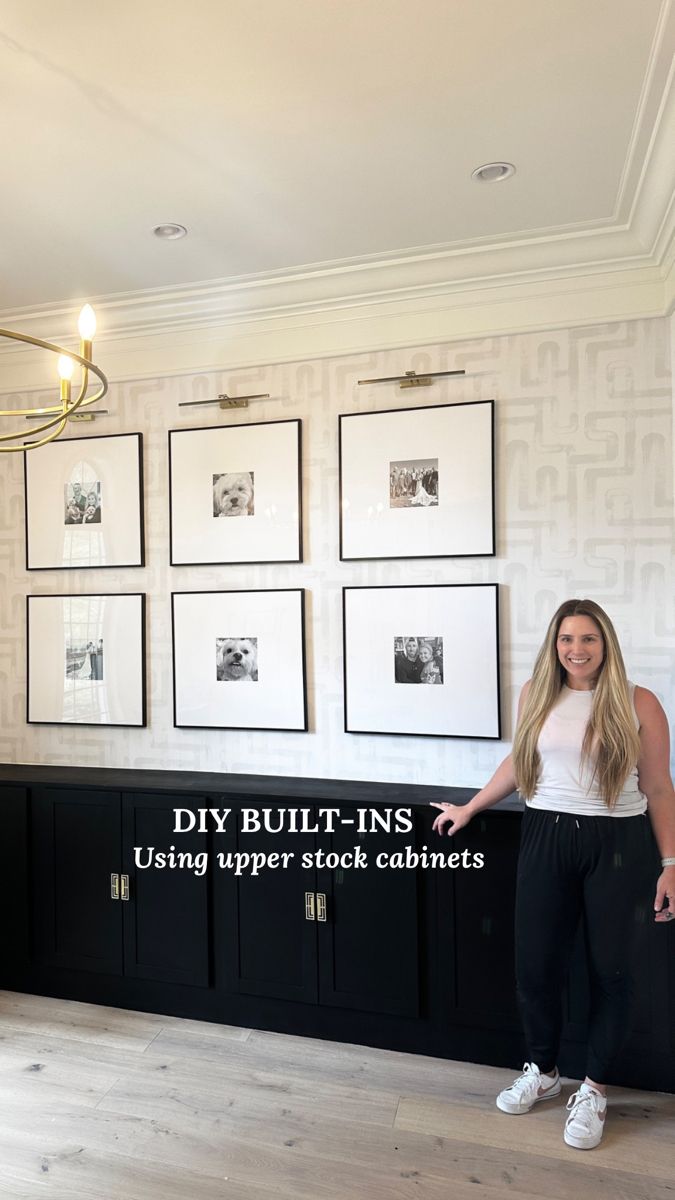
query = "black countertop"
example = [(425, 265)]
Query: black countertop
[(232, 786)]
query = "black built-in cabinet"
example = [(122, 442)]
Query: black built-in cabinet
[(412, 959), (92, 911), (344, 937)]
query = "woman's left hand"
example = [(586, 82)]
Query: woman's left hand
[(664, 904)]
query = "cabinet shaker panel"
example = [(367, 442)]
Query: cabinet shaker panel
[(477, 920), (266, 943), (369, 952), (166, 921), (14, 936), (76, 849)]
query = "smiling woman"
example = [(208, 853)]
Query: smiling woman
[(581, 654), (591, 758), (581, 650)]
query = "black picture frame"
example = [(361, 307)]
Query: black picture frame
[(266, 457), (459, 626), (205, 694), (417, 482), (64, 631), (115, 535)]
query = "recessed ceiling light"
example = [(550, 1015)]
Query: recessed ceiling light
[(169, 232), (493, 172)]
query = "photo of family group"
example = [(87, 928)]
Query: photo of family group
[(233, 494), (413, 483), (82, 504), (84, 660), (418, 659), (237, 659)]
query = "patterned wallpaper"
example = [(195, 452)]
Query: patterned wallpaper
[(584, 507)]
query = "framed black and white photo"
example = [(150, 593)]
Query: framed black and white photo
[(418, 482), (239, 660), (422, 659), (86, 660), (84, 503), (235, 494)]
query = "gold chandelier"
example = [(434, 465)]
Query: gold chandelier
[(59, 413)]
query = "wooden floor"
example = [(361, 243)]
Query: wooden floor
[(101, 1103)]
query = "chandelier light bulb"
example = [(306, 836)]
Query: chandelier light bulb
[(56, 415), (66, 367), (87, 323)]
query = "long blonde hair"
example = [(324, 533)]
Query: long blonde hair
[(611, 741)]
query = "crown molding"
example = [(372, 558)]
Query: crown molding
[(655, 92), (653, 198), (553, 261), (356, 326), (669, 290)]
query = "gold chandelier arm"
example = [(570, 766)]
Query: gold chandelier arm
[(60, 422), (62, 414), (41, 442), (58, 408), (73, 404), (52, 409), (58, 413), (33, 341), (16, 436)]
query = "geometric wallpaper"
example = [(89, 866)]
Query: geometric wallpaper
[(584, 502)]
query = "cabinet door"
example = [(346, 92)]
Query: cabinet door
[(369, 954), (266, 946), (166, 920), (476, 907), (14, 934), (77, 841)]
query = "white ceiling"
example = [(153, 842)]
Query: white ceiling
[(285, 133)]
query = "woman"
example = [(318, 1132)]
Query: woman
[(590, 757), (430, 670), (421, 497), (92, 512)]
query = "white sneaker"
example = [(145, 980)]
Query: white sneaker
[(528, 1089), (585, 1125)]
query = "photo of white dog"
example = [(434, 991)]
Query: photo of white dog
[(233, 494), (237, 659)]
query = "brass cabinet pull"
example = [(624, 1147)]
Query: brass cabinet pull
[(309, 906), (321, 906), (125, 887), (114, 887)]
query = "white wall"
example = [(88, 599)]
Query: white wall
[(584, 507)]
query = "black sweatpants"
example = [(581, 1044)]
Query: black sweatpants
[(595, 869)]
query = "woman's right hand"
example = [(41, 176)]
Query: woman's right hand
[(456, 816)]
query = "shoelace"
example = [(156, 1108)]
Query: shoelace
[(530, 1074), (578, 1112)]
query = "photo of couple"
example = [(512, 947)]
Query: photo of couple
[(418, 659), (84, 660), (82, 507)]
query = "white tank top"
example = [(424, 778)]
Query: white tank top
[(562, 785)]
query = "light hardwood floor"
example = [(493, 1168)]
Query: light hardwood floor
[(98, 1103)]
